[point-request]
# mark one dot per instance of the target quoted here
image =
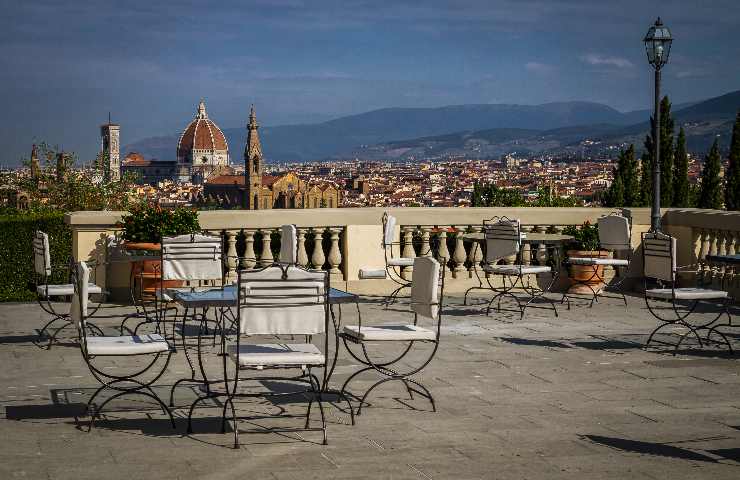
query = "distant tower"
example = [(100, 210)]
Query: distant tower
[(110, 147), (253, 163), (35, 166)]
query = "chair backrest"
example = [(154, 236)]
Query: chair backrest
[(41, 254), (425, 296), (389, 229), (288, 245), (659, 256), (614, 232), (283, 300), (503, 238), (79, 308), (192, 257)]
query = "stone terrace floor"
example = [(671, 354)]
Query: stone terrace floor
[(544, 397)]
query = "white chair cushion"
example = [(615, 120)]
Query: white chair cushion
[(64, 290), (372, 273), (401, 262), (389, 333), (688, 293), (126, 345), (516, 269), (598, 261), (271, 354)]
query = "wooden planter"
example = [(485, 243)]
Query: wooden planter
[(147, 271), (581, 274)]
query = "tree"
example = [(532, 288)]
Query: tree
[(710, 193), (546, 197), (732, 175), (666, 158), (492, 196), (625, 190), (681, 173)]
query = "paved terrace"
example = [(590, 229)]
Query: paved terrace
[(568, 397)]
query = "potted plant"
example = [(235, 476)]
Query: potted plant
[(585, 244), (143, 229)]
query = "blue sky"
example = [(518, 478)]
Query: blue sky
[(65, 64)]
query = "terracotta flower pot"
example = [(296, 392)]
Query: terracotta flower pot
[(582, 276), (148, 271)]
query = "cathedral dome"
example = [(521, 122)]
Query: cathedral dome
[(202, 141)]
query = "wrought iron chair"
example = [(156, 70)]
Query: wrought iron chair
[(503, 239), (155, 346), (394, 265), (614, 236), (427, 294), (280, 300), (46, 292), (660, 267)]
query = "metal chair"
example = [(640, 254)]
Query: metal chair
[(660, 267), (394, 265), (614, 236), (155, 346), (427, 294), (280, 300), (46, 291), (503, 239)]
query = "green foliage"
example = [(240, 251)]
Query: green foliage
[(732, 175), (681, 196), (149, 223), (547, 198), (625, 189), (585, 238), (492, 196), (16, 252), (666, 158), (710, 193)]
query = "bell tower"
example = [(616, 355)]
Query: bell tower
[(110, 148), (252, 164)]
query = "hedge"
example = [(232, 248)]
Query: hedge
[(16, 252)]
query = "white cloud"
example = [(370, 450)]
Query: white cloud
[(539, 68), (603, 60)]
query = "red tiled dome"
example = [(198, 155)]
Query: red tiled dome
[(201, 134)]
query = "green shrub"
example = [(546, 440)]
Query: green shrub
[(16, 252), (149, 223), (585, 238)]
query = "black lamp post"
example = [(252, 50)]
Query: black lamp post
[(658, 46)]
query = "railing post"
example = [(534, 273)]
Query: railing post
[(249, 260), (317, 258), (302, 257), (335, 254), (231, 255), (442, 251), (426, 246), (266, 258), (459, 254), (408, 251)]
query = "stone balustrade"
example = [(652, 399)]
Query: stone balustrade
[(343, 241)]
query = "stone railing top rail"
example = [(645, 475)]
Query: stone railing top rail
[(235, 219), (710, 219)]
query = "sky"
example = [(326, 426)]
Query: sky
[(65, 64)]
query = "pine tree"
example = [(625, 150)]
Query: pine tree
[(710, 193), (666, 159), (681, 173), (732, 176)]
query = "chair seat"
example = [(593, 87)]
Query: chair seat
[(127, 345), (273, 354), (516, 269), (688, 293), (617, 262), (64, 290), (389, 333), (401, 262)]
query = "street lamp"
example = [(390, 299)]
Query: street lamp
[(658, 46)]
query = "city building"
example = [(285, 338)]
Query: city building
[(148, 171), (202, 149), (110, 134)]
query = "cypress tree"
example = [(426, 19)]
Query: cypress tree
[(630, 178), (732, 176), (681, 173), (666, 153), (710, 193), (615, 194), (646, 174)]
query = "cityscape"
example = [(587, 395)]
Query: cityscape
[(371, 240)]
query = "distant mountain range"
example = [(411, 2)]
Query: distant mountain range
[(474, 131)]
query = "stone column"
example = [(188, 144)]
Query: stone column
[(317, 258), (335, 254)]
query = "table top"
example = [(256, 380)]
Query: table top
[(227, 296), (724, 258), (531, 237)]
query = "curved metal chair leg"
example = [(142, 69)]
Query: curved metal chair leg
[(426, 393)]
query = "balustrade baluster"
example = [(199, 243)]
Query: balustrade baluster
[(231, 255), (459, 255), (302, 257), (408, 250), (475, 256), (526, 247), (317, 257), (335, 254), (249, 260), (426, 245), (443, 254), (266, 258), (714, 270)]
